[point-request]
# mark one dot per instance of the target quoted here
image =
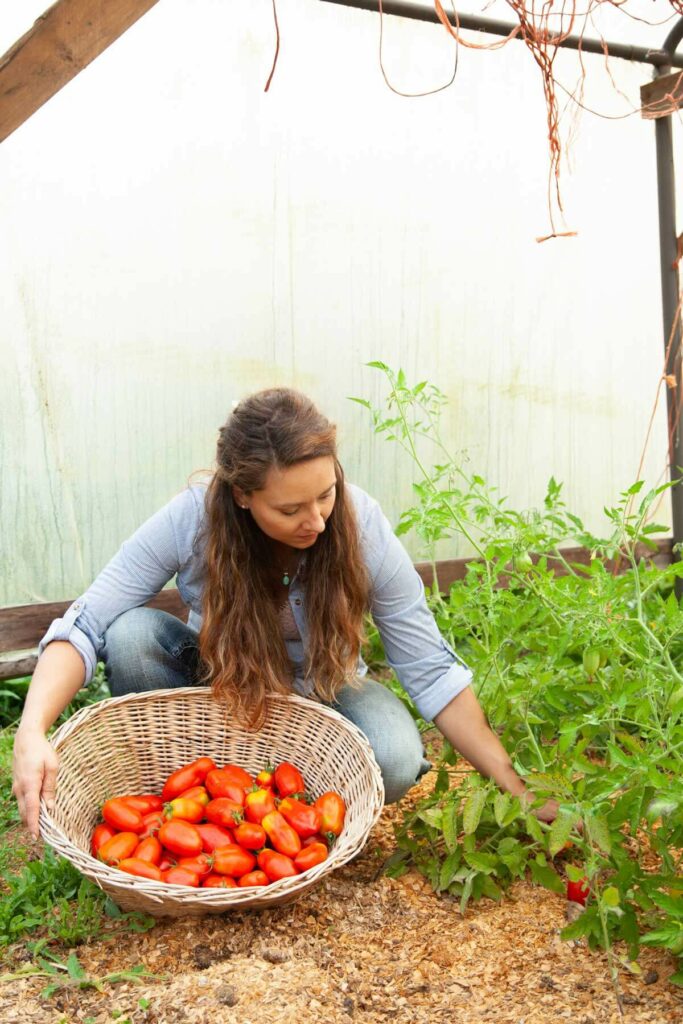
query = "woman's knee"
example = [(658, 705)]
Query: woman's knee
[(145, 648), (391, 732)]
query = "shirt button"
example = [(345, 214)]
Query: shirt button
[(297, 600)]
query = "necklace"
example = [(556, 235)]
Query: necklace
[(287, 575)]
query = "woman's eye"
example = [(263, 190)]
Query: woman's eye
[(289, 513)]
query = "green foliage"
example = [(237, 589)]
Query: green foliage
[(576, 666)]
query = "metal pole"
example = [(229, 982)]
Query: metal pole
[(418, 12), (666, 195)]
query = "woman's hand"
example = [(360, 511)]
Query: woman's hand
[(35, 775), (548, 812)]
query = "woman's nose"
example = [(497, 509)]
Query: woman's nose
[(316, 523)]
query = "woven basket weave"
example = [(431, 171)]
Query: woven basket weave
[(131, 744)]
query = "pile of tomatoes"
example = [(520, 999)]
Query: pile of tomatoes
[(220, 827)]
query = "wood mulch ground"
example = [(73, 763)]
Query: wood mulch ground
[(360, 948)]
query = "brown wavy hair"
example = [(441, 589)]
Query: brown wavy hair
[(243, 654)]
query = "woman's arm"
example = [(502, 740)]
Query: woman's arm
[(464, 725), (58, 676)]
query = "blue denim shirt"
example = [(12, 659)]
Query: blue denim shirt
[(169, 545)]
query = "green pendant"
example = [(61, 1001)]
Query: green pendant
[(285, 580)]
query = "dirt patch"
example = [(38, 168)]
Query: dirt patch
[(361, 948)]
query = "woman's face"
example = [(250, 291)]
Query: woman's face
[(295, 503)]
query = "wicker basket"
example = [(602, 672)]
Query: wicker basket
[(132, 743)]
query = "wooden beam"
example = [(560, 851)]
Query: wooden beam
[(22, 627), (63, 41), (662, 96)]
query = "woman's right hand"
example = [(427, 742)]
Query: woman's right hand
[(35, 775)]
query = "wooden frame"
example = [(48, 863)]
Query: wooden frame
[(63, 41), (21, 627)]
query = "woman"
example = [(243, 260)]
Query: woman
[(278, 559)]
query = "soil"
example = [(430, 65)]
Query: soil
[(360, 948)]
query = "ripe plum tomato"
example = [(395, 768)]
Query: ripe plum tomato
[(314, 854), (181, 876), (153, 823), (166, 862), (288, 779), (119, 847), (332, 812), (282, 835), (204, 765), (219, 882), (184, 808), (250, 836), (177, 782), (224, 812), (202, 864), (578, 892), (180, 837), (219, 784), (238, 775), (149, 849), (304, 819), (233, 860), (276, 865), (317, 838), (100, 836), (254, 878), (258, 803), (121, 816), (144, 804), (142, 868), (213, 836), (198, 793)]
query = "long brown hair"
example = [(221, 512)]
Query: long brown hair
[(242, 651)]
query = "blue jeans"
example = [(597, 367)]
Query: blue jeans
[(147, 649)]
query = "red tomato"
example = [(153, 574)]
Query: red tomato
[(149, 849), (185, 778), (233, 860), (213, 836), (202, 864), (100, 836), (254, 878), (119, 847), (578, 892), (288, 779), (282, 836), (144, 804), (220, 784), (332, 811), (142, 868), (185, 809), (224, 812), (304, 819), (238, 775), (180, 837), (181, 876), (197, 793), (153, 823), (204, 765), (219, 882), (120, 816), (276, 865), (257, 804), (166, 862), (314, 854), (317, 838), (250, 836)]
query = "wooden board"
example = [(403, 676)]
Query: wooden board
[(662, 96), (22, 627), (63, 41)]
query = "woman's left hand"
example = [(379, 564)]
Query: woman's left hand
[(548, 812)]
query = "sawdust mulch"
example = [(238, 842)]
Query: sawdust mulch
[(360, 948)]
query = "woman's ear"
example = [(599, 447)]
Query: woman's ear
[(240, 497)]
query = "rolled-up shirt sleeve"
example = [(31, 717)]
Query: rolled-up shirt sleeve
[(138, 571), (426, 665)]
